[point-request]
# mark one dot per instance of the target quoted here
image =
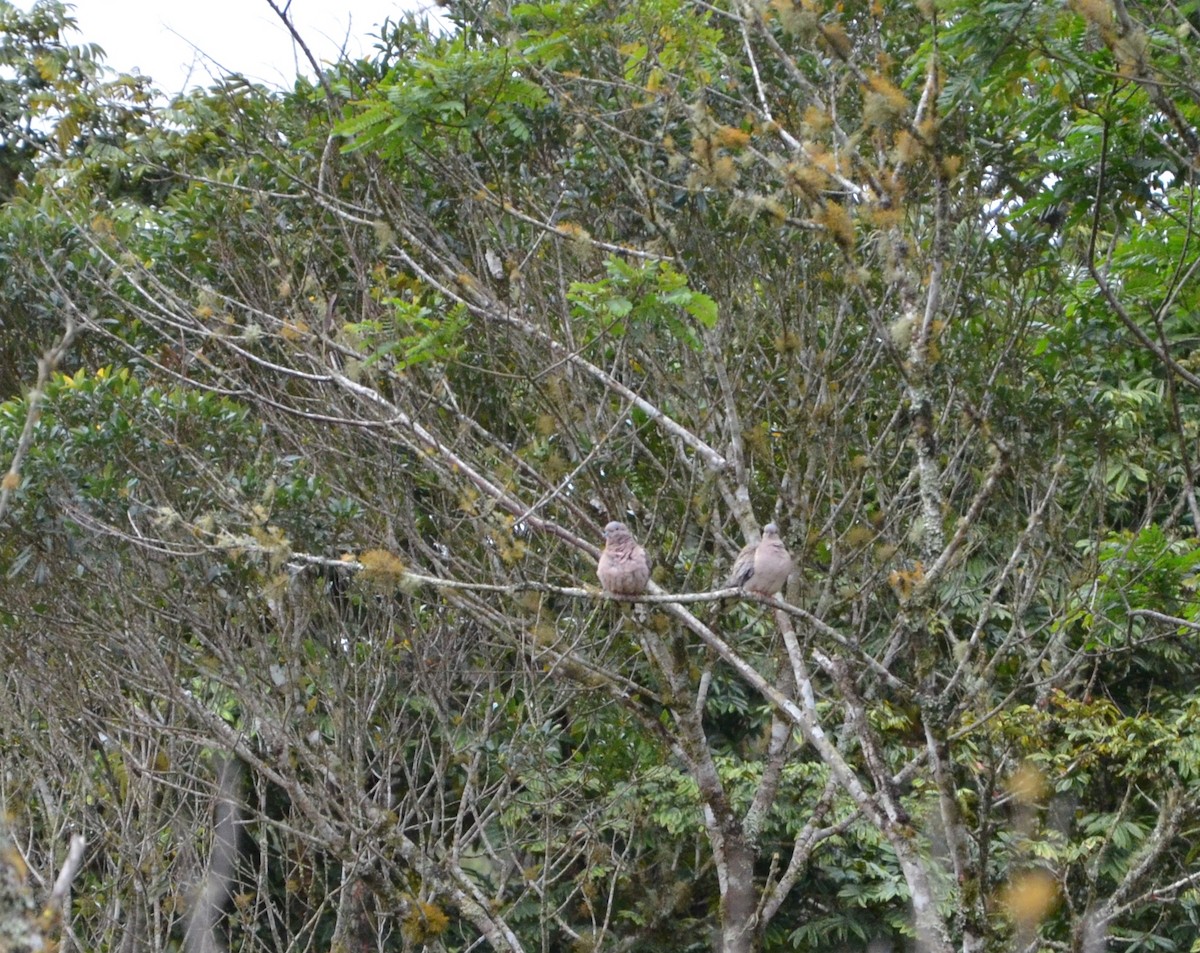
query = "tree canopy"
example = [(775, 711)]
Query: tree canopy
[(317, 401)]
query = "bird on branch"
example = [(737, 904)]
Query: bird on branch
[(623, 568), (763, 567)]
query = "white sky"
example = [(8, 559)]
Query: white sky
[(184, 43)]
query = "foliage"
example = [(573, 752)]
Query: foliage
[(301, 537)]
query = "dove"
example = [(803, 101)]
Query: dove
[(762, 568), (623, 568)]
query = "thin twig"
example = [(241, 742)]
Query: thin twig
[(47, 365)]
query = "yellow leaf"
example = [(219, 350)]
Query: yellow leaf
[(1030, 897), (379, 565), (731, 137), (294, 330), (834, 218), (1028, 784)]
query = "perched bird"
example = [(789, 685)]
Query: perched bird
[(762, 568), (623, 568)]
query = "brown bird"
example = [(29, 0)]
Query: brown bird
[(763, 567), (623, 568)]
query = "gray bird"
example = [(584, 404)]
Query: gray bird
[(623, 568), (762, 568)]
